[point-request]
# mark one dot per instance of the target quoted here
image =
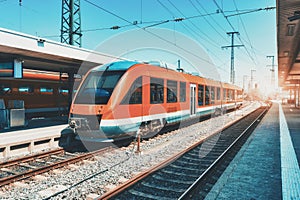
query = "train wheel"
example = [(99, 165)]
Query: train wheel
[(218, 112), (151, 128)]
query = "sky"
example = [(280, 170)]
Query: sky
[(196, 41)]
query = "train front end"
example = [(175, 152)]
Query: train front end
[(93, 104)]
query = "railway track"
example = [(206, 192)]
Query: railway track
[(192, 173), (26, 167)]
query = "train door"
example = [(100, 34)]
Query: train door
[(192, 99)]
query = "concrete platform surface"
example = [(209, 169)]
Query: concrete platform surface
[(266, 167)]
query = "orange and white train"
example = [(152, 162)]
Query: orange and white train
[(121, 98)]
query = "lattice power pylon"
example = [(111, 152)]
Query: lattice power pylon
[(71, 23)]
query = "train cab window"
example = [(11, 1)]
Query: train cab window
[(156, 90), (135, 93), (26, 89), (182, 91), (218, 93), (207, 95), (224, 94), (200, 95), (98, 86), (46, 90), (5, 89), (171, 91), (212, 94)]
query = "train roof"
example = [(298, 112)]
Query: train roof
[(116, 66), (125, 65)]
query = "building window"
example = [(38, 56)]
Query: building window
[(171, 91), (182, 91), (135, 93), (290, 29), (200, 95), (207, 95), (156, 90)]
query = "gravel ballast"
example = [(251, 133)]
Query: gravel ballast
[(114, 168)]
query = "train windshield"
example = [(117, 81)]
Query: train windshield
[(98, 87)]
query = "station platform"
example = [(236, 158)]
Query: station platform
[(38, 135), (38, 123), (267, 166)]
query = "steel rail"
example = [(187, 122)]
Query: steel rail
[(186, 194), (31, 157), (43, 169), (144, 174)]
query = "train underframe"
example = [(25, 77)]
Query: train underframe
[(90, 128)]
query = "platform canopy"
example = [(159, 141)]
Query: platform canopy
[(288, 42), (43, 54)]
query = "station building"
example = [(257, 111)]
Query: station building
[(288, 47), (38, 76)]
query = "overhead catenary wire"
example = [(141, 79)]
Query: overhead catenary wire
[(222, 12), (153, 23), (151, 33), (250, 11), (234, 30), (246, 33), (196, 33), (213, 19), (159, 22), (221, 35), (211, 41), (192, 31), (145, 28)]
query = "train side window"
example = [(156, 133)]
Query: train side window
[(135, 93), (182, 91), (156, 90), (171, 91), (212, 94), (207, 95), (200, 95), (224, 94), (234, 94), (63, 91), (218, 93), (26, 89), (5, 89), (229, 95), (46, 90), (239, 94)]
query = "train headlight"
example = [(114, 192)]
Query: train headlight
[(72, 124)]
